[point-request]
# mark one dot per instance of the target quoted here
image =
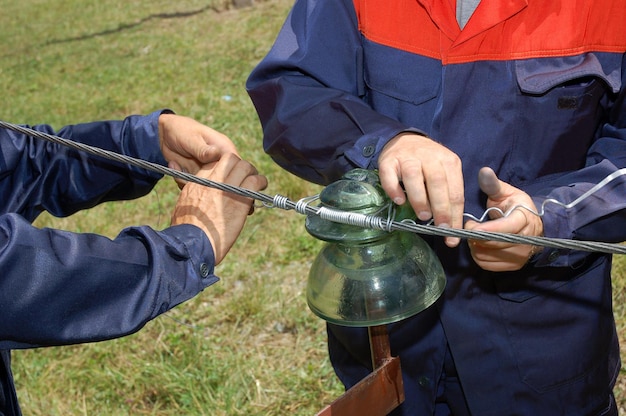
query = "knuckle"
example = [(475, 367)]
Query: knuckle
[(457, 197)]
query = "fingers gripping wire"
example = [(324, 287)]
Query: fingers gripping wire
[(541, 211), (303, 206)]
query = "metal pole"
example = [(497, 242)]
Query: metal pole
[(379, 345), (378, 393)]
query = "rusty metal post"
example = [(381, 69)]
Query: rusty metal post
[(379, 345), (378, 393)]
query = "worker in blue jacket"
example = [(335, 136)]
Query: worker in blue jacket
[(486, 104), (58, 287)]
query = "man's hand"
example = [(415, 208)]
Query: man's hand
[(187, 145), (499, 256), (431, 176), (219, 214)]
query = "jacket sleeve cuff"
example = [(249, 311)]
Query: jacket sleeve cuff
[(555, 225), (367, 149), (200, 251), (146, 143)]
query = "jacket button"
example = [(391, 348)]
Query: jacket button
[(204, 270), (554, 255), (368, 151), (423, 381)]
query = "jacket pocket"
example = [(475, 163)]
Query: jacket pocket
[(561, 104), (395, 75), (560, 324), (574, 73)]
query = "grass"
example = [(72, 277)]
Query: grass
[(248, 345)]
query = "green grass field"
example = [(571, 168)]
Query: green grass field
[(248, 345)]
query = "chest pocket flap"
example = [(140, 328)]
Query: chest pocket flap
[(538, 76)]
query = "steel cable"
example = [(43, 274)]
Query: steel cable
[(303, 206)]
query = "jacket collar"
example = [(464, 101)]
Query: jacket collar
[(488, 14)]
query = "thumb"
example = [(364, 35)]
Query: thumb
[(206, 153), (500, 193), (490, 184)]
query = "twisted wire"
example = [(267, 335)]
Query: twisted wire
[(542, 208), (351, 218)]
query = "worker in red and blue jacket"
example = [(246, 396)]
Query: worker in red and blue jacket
[(59, 287), (462, 106)]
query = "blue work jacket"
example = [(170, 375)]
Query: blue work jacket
[(534, 89), (58, 287)]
